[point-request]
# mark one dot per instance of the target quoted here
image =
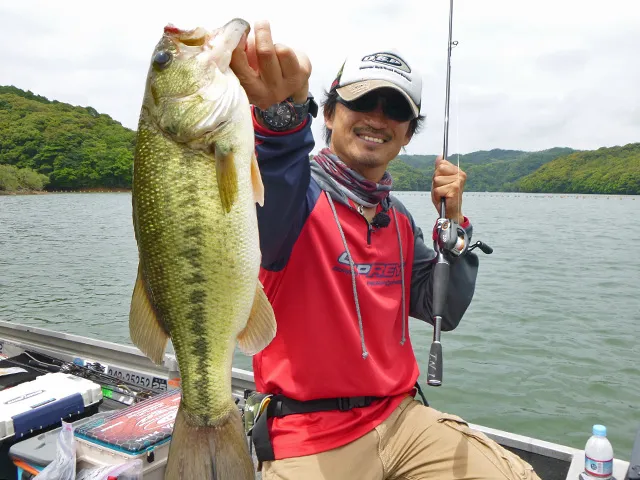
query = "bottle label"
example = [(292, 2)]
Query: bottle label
[(598, 468)]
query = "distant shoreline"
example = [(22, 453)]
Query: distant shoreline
[(128, 190), (23, 192), (82, 190)]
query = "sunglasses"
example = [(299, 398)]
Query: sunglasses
[(394, 105)]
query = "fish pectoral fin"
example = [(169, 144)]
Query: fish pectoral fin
[(145, 328), (227, 177), (261, 326), (256, 181)]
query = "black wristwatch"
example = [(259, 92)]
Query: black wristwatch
[(287, 115)]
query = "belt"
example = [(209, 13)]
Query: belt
[(280, 406)]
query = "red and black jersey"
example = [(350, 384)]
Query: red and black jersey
[(339, 334)]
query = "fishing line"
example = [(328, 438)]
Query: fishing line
[(458, 146)]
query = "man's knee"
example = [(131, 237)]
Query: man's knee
[(428, 443), (481, 452)]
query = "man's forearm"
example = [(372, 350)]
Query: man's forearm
[(283, 159)]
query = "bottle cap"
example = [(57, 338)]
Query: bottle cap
[(599, 430)]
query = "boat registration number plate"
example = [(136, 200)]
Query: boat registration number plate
[(142, 380)]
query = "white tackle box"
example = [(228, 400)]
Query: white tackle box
[(43, 402)]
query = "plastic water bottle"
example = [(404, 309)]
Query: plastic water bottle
[(598, 455)]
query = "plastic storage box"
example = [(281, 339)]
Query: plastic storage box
[(39, 405), (32, 455), (139, 431)]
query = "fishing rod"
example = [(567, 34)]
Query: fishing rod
[(44, 363), (451, 238)]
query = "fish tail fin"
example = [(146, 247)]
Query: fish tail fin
[(216, 452)]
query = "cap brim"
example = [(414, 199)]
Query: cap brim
[(353, 91)]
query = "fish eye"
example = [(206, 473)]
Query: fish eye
[(162, 59)]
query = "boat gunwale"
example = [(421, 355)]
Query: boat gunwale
[(68, 347)]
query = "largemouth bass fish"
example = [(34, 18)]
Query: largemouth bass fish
[(195, 187)]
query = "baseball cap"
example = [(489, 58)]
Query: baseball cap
[(366, 71)]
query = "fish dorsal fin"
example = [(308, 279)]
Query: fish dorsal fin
[(227, 177), (145, 328), (261, 326), (256, 181)]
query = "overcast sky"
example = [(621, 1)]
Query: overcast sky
[(526, 75)]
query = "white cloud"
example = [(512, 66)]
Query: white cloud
[(525, 75)]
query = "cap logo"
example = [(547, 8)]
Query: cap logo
[(388, 59)]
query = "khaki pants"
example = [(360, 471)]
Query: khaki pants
[(414, 443)]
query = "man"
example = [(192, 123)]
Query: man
[(344, 265)]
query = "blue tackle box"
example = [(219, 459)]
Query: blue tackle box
[(33, 407)]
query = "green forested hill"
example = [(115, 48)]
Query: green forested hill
[(493, 170), (419, 162), (75, 147), (408, 178), (502, 175), (481, 157), (614, 170), (49, 144)]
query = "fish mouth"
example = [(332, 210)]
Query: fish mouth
[(196, 37), (227, 37)]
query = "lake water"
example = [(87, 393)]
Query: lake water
[(549, 346)]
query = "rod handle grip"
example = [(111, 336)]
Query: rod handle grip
[(440, 284), (434, 372)]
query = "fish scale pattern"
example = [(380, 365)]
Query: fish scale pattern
[(201, 264)]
